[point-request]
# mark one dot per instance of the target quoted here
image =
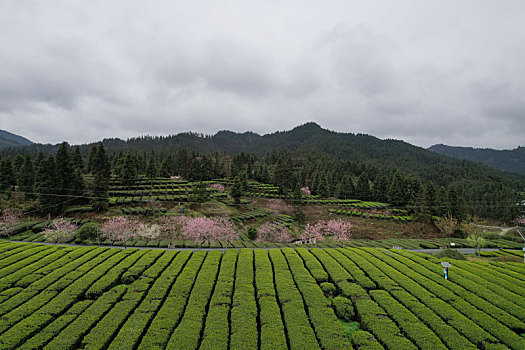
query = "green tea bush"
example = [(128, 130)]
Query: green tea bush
[(344, 309), (328, 288), (88, 231), (450, 253)]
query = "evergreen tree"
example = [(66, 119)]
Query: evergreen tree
[(442, 202), (454, 204), (151, 169), (422, 212), (236, 190), (380, 189), (46, 186), (128, 170), (363, 187), (101, 170), (283, 173), (200, 193), (78, 161), (431, 197), (396, 194), (345, 188), (7, 175), (26, 177), (91, 160), (64, 169)]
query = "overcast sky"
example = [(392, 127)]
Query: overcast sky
[(423, 71)]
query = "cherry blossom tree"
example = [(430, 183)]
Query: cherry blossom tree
[(203, 230), (339, 229), (217, 187), (279, 206), (305, 191), (313, 233), (60, 231), (8, 219), (120, 228), (269, 232)]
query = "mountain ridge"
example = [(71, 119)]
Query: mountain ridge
[(8, 139), (506, 160)]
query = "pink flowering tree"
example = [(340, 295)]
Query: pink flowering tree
[(8, 219), (60, 231), (120, 228), (305, 191), (203, 230), (313, 233), (217, 187), (171, 226), (279, 206), (339, 229), (269, 232)]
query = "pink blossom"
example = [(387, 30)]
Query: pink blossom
[(8, 219), (306, 191), (217, 187), (279, 206), (203, 230), (60, 231), (269, 232), (340, 230), (120, 228), (313, 233)]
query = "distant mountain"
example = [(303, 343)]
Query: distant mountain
[(506, 160), (312, 139), (8, 139)]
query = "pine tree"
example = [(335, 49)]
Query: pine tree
[(380, 188), (26, 177), (363, 187), (77, 160), (101, 170), (91, 160), (442, 202), (7, 175), (236, 190), (396, 193), (46, 185)]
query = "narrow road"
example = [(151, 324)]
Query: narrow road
[(467, 251)]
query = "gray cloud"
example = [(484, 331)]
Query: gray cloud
[(423, 72)]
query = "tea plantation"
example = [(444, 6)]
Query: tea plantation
[(65, 297)]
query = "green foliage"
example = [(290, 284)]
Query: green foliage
[(89, 231), (450, 253), (344, 309), (251, 233), (328, 288)]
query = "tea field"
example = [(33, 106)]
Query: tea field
[(67, 297)]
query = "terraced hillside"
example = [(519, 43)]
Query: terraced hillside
[(63, 297)]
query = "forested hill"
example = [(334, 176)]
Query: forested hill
[(506, 160), (310, 139), (8, 139)]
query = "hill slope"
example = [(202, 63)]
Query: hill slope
[(506, 160), (8, 139)]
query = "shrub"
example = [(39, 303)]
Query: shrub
[(328, 288), (344, 309), (252, 233), (450, 253), (88, 231)]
